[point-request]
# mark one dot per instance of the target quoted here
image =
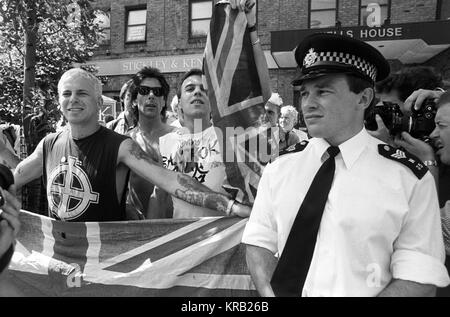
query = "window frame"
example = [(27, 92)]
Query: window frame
[(191, 36), (310, 10), (439, 11), (388, 17), (127, 14)]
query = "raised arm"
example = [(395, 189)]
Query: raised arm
[(258, 53), (249, 7), (30, 168), (177, 184)]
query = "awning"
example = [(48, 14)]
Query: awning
[(109, 107), (108, 101), (409, 43), (166, 64)]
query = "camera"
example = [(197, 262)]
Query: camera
[(392, 117), (419, 125), (6, 180), (422, 120)]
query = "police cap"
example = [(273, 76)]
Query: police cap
[(321, 54)]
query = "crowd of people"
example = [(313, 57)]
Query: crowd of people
[(341, 210)]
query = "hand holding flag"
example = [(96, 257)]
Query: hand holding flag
[(248, 6)]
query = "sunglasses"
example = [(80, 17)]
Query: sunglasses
[(145, 90)]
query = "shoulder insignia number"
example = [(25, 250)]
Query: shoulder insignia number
[(294, 148), (405, 158)]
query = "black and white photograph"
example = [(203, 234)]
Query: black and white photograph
[(224, 152)]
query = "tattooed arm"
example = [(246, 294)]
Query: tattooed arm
[(177, 184), (30, 168)]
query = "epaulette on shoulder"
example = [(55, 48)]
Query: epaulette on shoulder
[(294, 148), (405, 158)]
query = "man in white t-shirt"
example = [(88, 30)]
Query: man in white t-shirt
[(194, 149)]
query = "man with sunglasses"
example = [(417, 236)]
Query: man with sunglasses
[(150, 94), (86, 167)]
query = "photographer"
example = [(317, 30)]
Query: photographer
[(441, 142), (395, 93), (440, 139), (421, 149)]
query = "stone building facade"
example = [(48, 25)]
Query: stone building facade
[(167, 34)]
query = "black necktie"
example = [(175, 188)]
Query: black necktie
[(292, 268)]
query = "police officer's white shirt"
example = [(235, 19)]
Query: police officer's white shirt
[(380, 221)]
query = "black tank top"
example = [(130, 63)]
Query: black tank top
[(80, 176)]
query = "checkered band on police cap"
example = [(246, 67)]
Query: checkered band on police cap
[(342, 58), (319, 54)]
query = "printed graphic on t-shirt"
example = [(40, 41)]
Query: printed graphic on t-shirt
[(199, 156), (69, 191), (193, 155), (190, 157)]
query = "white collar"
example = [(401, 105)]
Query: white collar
[(350, 150)]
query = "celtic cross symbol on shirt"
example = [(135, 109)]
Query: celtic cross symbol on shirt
[(69, 190)]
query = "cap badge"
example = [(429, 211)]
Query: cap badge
[(310, 58)]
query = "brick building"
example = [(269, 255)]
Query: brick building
[(171, 34)]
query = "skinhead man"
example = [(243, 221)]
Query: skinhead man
[(344, 214)]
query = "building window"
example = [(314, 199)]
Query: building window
[(102, 18), (323, 13), (374, 12), (136, 25), (200, 13)]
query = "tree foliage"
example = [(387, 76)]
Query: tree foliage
[(66, 33)]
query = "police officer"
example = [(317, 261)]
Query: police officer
[(344, 214)]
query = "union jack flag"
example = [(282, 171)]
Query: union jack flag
[(236, 97), (192, 257)]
